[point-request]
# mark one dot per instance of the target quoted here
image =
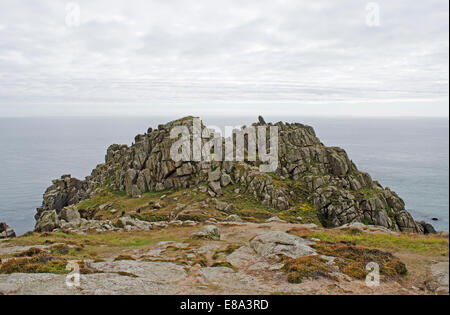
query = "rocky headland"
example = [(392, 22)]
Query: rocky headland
[(309, 174), (143, 223)]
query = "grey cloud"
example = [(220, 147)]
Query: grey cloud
[(214, 52)]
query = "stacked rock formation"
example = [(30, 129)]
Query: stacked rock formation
[(323, 176)]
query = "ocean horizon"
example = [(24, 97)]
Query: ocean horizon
[(410, 155)]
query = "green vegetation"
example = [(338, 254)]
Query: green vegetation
[(124, 257), (301, 268), (366, 193), (34, 261), (352, 260), (117, 200), (98, 245), (414, 243), (307, 212)]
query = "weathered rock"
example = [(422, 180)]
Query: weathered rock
[(233, 218), (6, 231), (439, 281), (225, 180), (427, 228), (215, 176), (208, 232), (70, 214), (216, 188), (220, 205), (275, 244), (47, 222)]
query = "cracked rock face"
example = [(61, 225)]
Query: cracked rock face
[(325, 176)]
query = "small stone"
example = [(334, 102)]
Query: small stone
[(221, 206), (233, 218), (211, 232)]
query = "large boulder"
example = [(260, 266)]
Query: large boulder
[(47, 222), (6, 231), (427, 227), (274, 245), (70, 214)]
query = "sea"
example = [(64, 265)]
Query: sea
[(409, 155)]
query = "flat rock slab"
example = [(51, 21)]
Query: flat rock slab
[(273, 244), (160, 272), (94, 284), (227, 278), (440, 273), (34, 284), (243, 256)]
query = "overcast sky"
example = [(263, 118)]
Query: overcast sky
[(141, 57)]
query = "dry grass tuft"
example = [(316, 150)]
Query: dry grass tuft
[(352, 260), (298, 269)]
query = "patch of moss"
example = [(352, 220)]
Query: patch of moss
[(414, 243), (60, 249), (40, 263), (151, 217), (352, 260), (298, 269), (33, 251), (367, 193), (306, 211)]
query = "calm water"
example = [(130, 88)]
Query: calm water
[(411, 156)]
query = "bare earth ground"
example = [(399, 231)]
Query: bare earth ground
[(168, 261)]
